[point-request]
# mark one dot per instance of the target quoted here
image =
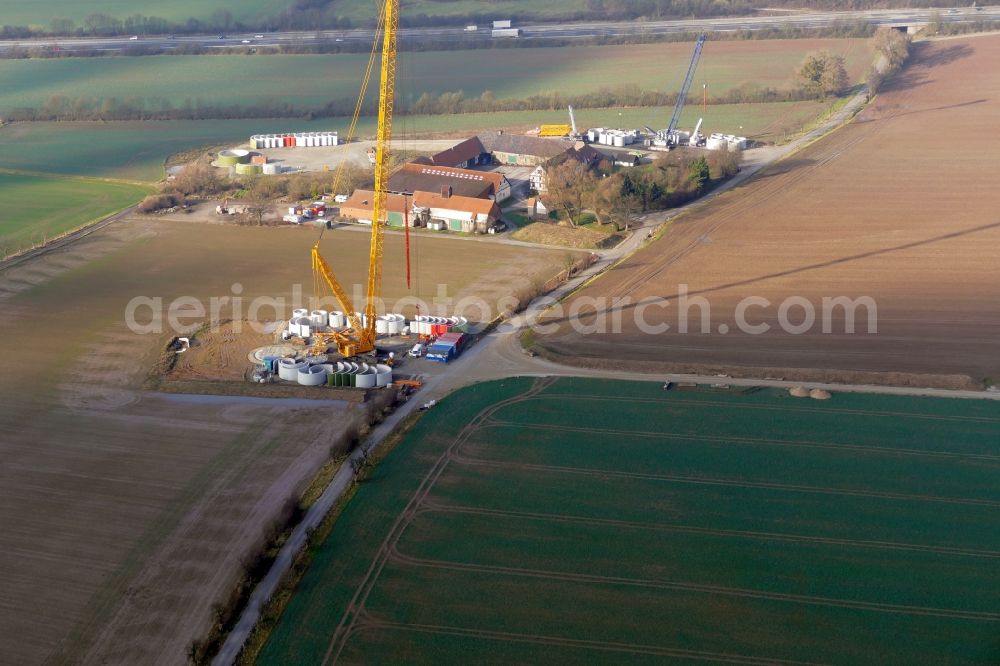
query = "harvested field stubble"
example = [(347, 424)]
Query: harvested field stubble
[(124, 514), (899, 206)]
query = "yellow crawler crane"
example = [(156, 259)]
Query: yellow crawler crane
[(360, 337)]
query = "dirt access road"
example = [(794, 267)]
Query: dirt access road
[(898, 206)]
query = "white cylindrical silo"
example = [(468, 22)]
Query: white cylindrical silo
[(337, 319), (299, 312), (381, 325), (383, 375)]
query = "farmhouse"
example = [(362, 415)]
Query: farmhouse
[(521, 150), (465, 155), (580, 152), (454, 212), (420, 177)]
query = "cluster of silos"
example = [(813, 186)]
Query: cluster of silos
[(718, 141), (233, 158), (359, 375), (294, 140), (428, 325), (613, 137), (301, 324)]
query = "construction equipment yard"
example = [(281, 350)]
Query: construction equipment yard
[(746, 413)]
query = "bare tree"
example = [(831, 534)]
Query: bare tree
[(568, 186)]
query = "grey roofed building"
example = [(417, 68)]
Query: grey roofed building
[(519, 149)]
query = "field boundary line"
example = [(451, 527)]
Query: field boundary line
[(435, 507), (790, 408), (606, 646), (678, 478), (738, 439), (696, 587), (69, 176), (356, 606)]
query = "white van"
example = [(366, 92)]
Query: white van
[(418, 350)]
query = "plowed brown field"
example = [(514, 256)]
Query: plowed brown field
[(126, 514), (900, 206)]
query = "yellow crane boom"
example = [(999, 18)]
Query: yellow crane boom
[(361, 338)]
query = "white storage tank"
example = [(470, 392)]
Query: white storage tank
[(319, 318), (313, 375), (305, 326), (337, 319), (381, 325), (334, 139), (299, 312), (618, 141)]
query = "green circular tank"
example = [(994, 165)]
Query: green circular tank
[(233, 157), (249, 169)]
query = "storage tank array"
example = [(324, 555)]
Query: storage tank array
[(294, 140), (613, 137), (427, 325), (233, 157), (305, 323), (718, 141), (342, 373)]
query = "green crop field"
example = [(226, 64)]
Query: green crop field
[(41, 12), (586, 521), (311, 81), (137, 150), (39, 207)]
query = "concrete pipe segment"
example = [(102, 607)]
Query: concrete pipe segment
[(319, 318), (313, 375), (288, 369), (383, 375), (305, 326)]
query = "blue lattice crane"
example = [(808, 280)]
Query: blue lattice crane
[(670, 133)]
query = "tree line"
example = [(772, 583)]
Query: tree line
[(64, 108), (616, 196)]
